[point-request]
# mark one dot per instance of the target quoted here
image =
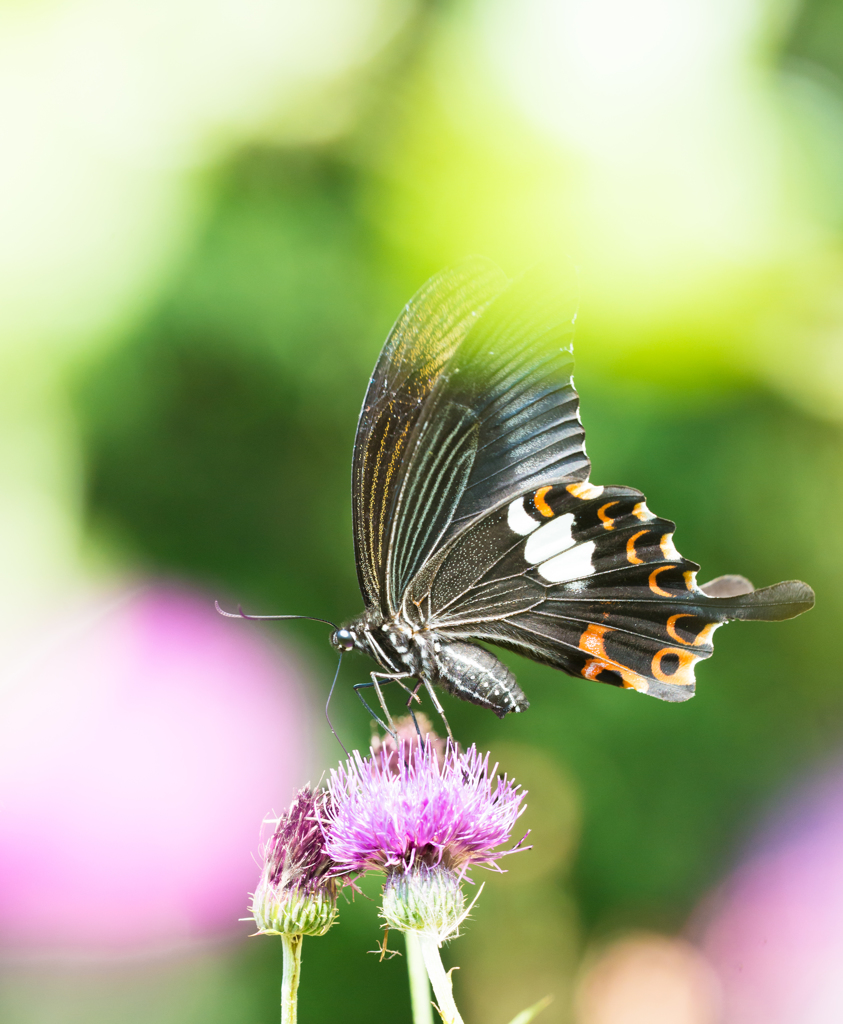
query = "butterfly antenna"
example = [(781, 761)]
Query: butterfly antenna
[(328, 702), (240, 614)]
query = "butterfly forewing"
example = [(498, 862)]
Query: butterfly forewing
[(507, 395), (516, 370), (425, 336), (427, 501)]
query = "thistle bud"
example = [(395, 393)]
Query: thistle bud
[(297, 893), (424, 899)]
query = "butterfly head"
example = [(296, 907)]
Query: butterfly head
[(343, 640)]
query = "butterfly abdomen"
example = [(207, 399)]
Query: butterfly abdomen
[(472, 673)]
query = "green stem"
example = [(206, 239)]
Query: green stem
[(419, 985), (440, 981), (290, 980)]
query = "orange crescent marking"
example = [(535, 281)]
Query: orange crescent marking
[(630, 549), (592, 643), (607, 521), (584, 490), (684, 674), (671, 628), (652, 581), (703, 637), (541, 504)]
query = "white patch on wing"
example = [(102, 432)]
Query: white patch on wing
[(669, 548), (552, 538), (519, 520), (570, 565)]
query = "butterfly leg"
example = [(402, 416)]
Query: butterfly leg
[(362, 686), (376, 678), (440, 710), (414, 695)]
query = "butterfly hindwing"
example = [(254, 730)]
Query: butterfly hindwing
[(587, 579)]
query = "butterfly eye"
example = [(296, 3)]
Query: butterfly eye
[(342, 639)]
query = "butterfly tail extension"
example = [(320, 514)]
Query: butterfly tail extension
[(771, 604)]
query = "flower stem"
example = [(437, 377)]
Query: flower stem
[(290, 980), (419, 985), (440, 981)]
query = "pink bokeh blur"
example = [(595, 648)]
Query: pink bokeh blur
[(141, 748), (775, 929)]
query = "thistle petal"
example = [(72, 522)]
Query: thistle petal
[(413, 806)]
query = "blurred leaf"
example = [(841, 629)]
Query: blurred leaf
[(532, 1011)]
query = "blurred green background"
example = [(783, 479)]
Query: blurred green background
[(208, 237)]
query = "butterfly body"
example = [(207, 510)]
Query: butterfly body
[(406, 651), (475, 519)]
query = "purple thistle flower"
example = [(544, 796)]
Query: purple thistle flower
[(405, 743), (411, 808), (296, 894)]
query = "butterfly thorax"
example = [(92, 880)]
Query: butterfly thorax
[(391, 643), (466, 670)]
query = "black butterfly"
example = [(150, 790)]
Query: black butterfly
[(474, 518)]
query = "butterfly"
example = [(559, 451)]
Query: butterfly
[(474, 518)]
